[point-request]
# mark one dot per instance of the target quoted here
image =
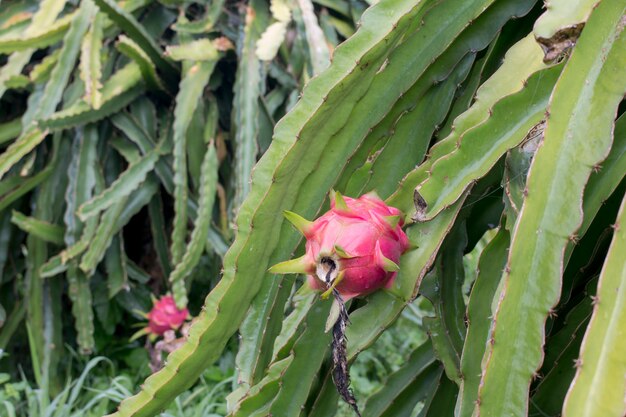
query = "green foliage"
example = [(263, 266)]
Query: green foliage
[(151, 147)]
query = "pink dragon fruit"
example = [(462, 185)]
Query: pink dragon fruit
[(165, 316), (354, 247)]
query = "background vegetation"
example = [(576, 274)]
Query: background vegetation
[(130, 131)]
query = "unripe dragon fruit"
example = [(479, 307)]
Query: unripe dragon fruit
[(354, 247), (165, 316)]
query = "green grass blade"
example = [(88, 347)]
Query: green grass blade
[(578, 136), (599, 387)]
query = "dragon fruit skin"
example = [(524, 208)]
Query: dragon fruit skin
[(165, 316), (355, 246)]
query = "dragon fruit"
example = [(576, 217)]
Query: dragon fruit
[(354, 247), (165, 316)]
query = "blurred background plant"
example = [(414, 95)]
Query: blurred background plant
[(129, 133)]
